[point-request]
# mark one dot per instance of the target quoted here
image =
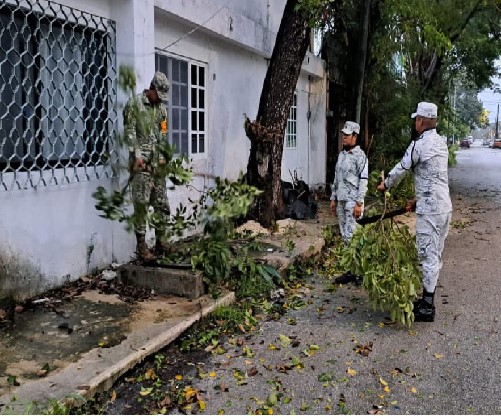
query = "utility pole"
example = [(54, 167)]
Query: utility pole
[(362, 58), (454, 117), (496, 137)]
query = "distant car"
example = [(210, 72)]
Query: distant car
[(465, 144), (486, 142), (496, 144)]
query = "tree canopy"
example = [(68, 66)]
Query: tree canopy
[(417, 51)]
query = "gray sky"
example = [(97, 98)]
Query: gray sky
[(490, 99)]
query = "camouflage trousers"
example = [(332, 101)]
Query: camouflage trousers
[(431, 232), (149, 190), (346, 219)]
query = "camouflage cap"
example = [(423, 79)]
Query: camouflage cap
[(161, 85), (427, 110), (351, 127)]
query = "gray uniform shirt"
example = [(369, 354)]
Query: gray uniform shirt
[(351, 176), (427, 158)]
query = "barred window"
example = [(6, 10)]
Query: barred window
[(57, 94), (291, 129), (187, 107)]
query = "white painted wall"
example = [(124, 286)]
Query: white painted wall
[(53, 234)]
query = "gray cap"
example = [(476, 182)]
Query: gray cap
[(351, 127), (427, 110), (161, 85)]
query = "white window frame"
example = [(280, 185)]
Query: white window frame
[(291, 128), (194, 84)]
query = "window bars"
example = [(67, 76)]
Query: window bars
[(57, 95)]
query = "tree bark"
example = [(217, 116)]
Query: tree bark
[(266, 133)]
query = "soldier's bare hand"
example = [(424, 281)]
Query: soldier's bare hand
[(410, 205), (139, 164), (333, 208), (357, 211)]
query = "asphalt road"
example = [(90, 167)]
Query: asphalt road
[(332, 354)]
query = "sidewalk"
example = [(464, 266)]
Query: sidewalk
[(83, 346)]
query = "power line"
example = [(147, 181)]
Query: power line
[(193, 30)]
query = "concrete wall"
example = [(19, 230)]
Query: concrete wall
[(53, 234)]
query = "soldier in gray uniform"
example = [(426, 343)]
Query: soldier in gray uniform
[(349, 188), (145, 124), (427, 158)]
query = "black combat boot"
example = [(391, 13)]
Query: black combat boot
[(348, 277), (424, 310)]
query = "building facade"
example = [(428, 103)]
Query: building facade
[(61, 111)]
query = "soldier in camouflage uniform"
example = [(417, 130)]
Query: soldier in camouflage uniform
[(349, 188), (427, 158), (145, 124)]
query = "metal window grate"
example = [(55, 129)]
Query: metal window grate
[(57, 95)]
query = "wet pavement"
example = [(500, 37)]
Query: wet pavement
[(331, 353), (50, 338), (63, 346)]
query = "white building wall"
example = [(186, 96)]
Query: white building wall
[(52, 234)]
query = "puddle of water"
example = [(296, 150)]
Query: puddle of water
[(42, 336)]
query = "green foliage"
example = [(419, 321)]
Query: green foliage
[(224, 320), (441, 41), (386, 257), (329, 235), (70, 405), (213, 253), (318, 12), (417, 52), (400, 194), (452, 154), (57, 407), (224, 204), (251, 278), (213, 257), (127, 79), (114, 205), (225, 264)]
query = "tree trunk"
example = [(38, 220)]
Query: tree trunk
[(267, 132)]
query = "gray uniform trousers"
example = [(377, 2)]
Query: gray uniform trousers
[(347, 222), (431, 232)]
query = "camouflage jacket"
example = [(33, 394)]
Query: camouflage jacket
[(427, 158), (144, 126), (351, 176)]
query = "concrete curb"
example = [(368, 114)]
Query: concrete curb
[(98, 369)]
